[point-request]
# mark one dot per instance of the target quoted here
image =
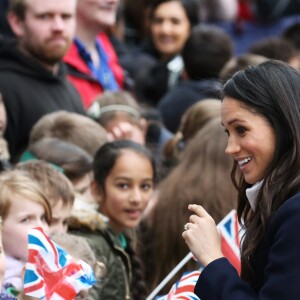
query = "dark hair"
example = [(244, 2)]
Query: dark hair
[(18, 7), (107, 155), (206, 51), (292, 34), (74, 161), (272, 90), (138, 286), (191, 7), (274, 48), (238, 63), (104, 161), (193, 119)]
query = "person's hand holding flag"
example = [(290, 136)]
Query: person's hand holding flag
[(51, 273)]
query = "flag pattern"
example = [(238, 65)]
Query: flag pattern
[(184, 288), (51, 273), (231, 233)]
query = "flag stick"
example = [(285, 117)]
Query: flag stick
[(170, 276)]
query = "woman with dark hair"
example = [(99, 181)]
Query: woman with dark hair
[(170, 23), (261, 114), (180, 16)]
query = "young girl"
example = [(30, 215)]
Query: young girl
[(23, 206), (124, 174), (120, 114)]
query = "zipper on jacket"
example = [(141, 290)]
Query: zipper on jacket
[(128, 277)]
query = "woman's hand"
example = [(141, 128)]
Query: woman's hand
[(202, 236)]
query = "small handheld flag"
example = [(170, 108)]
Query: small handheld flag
[(51, 273), (231, 233), (184, 288)]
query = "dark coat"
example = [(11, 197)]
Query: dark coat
[(276, 267), (107, 249), (29, 92), (275, 9)]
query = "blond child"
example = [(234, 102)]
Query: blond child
[(57, 188), (23, 206)]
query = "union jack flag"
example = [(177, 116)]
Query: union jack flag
[(231, 234), (184, 288), (51, 273)]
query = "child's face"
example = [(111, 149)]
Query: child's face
[(2, 261), (60, 216), (24, 214), (128, 189), (83, 184)]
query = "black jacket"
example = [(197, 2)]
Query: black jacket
[(116, 285), (29, 92), (275, 9), (276, 264)]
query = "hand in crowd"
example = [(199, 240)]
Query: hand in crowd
[(127, 131), (202, 236)]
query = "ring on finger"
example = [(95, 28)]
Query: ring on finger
[(186, 226)]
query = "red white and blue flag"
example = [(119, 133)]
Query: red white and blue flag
[(184, 288), (51, 273), (231, 234)]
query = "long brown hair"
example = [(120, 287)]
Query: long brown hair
[(194, 118), (202, 177)]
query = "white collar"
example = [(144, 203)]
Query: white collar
[(252, 194)]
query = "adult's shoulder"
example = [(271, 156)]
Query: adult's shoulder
[(288, 213), (291, 203)]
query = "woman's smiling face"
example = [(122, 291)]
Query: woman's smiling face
[(170, 28), (251, 139)]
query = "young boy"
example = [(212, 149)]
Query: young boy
[(58, 189)]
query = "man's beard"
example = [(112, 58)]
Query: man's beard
[(46, 53)]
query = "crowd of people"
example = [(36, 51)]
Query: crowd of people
[(131, 128)]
